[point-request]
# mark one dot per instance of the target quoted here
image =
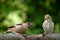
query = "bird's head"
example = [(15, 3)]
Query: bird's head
[(47, 17), (28, 24)]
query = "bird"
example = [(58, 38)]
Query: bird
[(48, 24), (19, 28)]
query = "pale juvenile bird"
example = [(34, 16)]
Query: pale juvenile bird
[(19, 28), (48, 24)]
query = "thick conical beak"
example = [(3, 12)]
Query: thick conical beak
[(30, 24)]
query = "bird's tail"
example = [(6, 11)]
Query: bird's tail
[(8, 31)]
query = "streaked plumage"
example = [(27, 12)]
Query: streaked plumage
[(48, 24)]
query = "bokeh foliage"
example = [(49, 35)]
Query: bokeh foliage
[(17, 11)]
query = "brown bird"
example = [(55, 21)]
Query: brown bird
[(48, 24), (19, 28)]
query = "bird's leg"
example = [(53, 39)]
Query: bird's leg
[(45, 33)]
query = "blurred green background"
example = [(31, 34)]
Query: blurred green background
[(17, 11)]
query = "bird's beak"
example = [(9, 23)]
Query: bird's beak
[(45, 19), (30, 24)]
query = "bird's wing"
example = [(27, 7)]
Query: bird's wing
[(18, 24), (51, 26), (11, 27), (45, 26), (14, 26)]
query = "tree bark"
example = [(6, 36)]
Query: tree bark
[(11, 36)]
